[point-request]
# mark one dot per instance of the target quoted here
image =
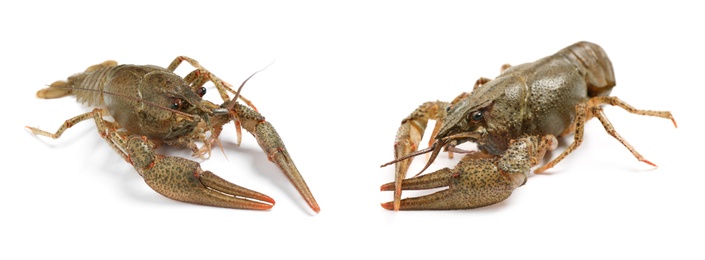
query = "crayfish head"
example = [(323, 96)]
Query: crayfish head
[(464, 123), (173, 111)]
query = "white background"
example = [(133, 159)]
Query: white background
[(344, 76)]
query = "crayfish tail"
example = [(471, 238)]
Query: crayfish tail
[(55, 90)]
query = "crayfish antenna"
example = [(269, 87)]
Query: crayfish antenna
[(408, 156), (436, 150), (237, 93)]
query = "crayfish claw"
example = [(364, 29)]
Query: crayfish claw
[(471, 184), (232, 195), (272, 144), (183, 180), (439, 200), (478, 180)]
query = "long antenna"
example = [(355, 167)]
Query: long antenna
[(237, 93), (127, 97)]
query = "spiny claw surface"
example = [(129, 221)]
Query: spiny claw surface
[(272, 144), (184, 180), (472, 183), (478, 180)]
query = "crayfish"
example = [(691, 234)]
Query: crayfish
[(514, 119), (152, 106)]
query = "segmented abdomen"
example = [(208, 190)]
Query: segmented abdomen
[(88, 86), (594, 65)]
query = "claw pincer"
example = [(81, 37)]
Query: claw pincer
[(478, 180), (184, 180), (272, 144)]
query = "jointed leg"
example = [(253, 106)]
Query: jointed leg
[(105, 128), (201, 75), (593, 108)]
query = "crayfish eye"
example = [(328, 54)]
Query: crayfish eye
[(201, 91), (176, 104), (476, 116)]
